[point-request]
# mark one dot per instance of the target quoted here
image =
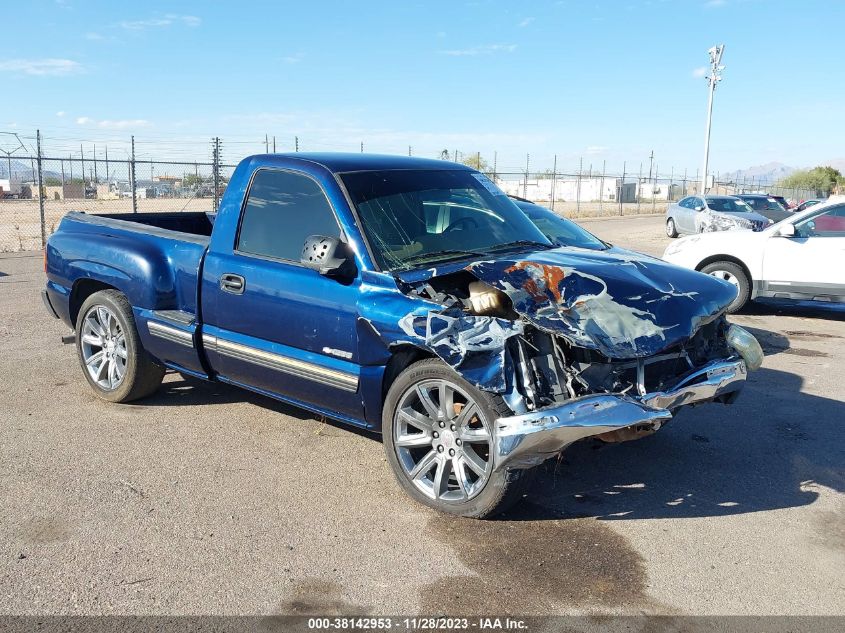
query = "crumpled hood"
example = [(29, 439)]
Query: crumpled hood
[(620, 303)]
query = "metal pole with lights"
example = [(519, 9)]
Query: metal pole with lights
[(715, 77)]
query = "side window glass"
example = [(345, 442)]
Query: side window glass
[(684, 203), (282, 209), (830, 223)]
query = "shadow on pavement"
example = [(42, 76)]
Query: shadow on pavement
[(770, 450)]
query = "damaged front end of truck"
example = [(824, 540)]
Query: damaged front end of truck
[(579, 344)]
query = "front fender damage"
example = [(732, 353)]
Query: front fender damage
[(569, 321)]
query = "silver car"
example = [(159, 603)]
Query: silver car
[(702, 214)]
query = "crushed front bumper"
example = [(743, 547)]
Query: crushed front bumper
[(523, 441)]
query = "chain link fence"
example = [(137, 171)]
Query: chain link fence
[(96, 183)]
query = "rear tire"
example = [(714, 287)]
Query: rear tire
[(734, 274), (671, 229), (427, 440), (113, 360)]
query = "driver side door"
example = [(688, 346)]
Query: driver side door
[(270, 323), (810, 264)]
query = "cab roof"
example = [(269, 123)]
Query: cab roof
[(345, 162)]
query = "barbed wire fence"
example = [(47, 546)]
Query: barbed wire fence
[(42, 179)]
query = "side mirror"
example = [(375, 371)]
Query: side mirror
[(699, 208), (327, 255), (785, 230)]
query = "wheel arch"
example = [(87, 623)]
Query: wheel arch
[(712, 259), (724, 258), (401, 357), (81, 290)]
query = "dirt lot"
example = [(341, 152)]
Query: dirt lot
[(205, 499)]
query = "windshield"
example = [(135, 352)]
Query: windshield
[(417, 217), (728, 205), (560, 231), (764, 204)]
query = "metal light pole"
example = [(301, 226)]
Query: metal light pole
[(714, 78)]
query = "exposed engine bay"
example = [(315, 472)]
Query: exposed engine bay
[(539, 365)]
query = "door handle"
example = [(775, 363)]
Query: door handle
[(234, 284)]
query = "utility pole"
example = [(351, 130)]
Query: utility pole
[(715, 77), (409, 150), (296, 143), (82, 154), (274, 143), (362, 147), (107, 164), (650, 164), (266, 144), (96, 179), (554, 182)]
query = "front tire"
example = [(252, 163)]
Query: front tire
[(438, 438), (671, 229), (734, 274), (113, 360)]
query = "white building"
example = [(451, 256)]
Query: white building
[(587, 189)]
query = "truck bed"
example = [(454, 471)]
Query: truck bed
[(194, 223)]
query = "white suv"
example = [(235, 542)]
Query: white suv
[(801, 258)]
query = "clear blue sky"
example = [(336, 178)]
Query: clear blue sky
[(606, 80)]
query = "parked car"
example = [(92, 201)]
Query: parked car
[(697, 214), (765, 205), (782, 202), (806, 205), (799, 259), (558, 230), (402, 295)]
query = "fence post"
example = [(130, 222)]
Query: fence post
[(671, 185), (639, 187), (578, 188), (525, 182), (601, 187), (621, 193), (653, 182), (215, 170), (132, 177), (40, 189), (554, 182)]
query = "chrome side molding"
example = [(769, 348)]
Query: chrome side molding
[(342, 380), (172, 334)]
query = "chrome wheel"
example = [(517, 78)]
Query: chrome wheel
[(103, 345), (725, 275), (443, 441)]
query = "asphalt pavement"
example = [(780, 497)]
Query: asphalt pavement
[(205, 499)]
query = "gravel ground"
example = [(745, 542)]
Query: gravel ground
[(208, 500)]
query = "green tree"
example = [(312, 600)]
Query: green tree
[(821, 178), (476, 161), (192, 180)]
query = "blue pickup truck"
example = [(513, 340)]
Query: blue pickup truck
[(480, 335)]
